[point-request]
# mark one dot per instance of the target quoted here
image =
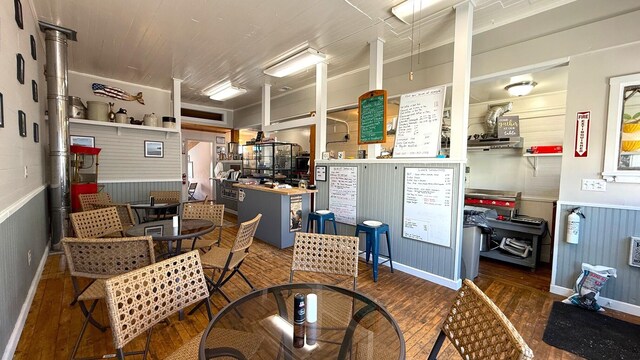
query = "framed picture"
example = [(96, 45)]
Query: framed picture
[(634, 252), (321, 173), (219, 139), (89, 141), (36, 132), (22, 123), (34, 51), (1, 111), (153, 230), (34, 90), (20, 68), (154, 149), (18, 9)]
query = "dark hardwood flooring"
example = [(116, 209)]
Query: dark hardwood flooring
[(418, 306)]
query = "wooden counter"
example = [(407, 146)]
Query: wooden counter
[(292, 191), (276, 207)]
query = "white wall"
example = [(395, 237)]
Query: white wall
[(201, 156), (156, 100), (589, 91), (18, 152)]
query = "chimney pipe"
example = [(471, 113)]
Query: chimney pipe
[(56, 74)]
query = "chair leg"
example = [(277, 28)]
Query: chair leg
[(335, 230), (436, 346), (146, 346), (84, 328), (389, 251), (246, 280), (88, 315)]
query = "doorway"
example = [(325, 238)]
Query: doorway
[(200, 163)]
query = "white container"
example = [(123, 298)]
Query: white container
[(150, 120), (121, 118), (98, 110)]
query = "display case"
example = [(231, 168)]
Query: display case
[(273, 160)]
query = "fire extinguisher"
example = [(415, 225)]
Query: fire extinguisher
[(573, 225), (184, 179)]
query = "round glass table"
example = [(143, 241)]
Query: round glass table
[(160, 209), (164, 230), (259, 325)]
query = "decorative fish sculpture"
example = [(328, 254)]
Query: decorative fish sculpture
[(114, 92)]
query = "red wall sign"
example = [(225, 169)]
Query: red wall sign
[(582, 134)]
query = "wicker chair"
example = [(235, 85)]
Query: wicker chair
[(230, 260), (87, 200), (325, 253), (212, 212), (124, 213), (479, 330), (138, 300), (166, 196), (98, 260), (97, 223)]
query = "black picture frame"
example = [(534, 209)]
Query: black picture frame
[(34, 90), (34, 50), (36, 133), (1, 111), (153, 149), (18, 9), (20, 68), (22, 123)]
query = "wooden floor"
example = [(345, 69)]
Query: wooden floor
[(419, 307)]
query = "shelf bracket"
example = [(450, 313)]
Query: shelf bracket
[(534, 164)]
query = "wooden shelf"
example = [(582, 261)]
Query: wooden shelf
[(119, 126)]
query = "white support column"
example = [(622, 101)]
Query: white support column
[(376, 49), (460, 109), (321, 109), (266, 105), (176, 95), (461, 75)]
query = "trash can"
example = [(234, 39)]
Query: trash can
[(475, 238)]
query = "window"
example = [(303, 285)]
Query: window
[(622, 151)]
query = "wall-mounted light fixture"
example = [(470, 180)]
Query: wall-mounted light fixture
[(521, 88), (296, 63), (224, 91), (407, 10)]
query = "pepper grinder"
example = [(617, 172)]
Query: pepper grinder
[(298, 320)]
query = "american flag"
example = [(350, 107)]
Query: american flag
[(116, 93)]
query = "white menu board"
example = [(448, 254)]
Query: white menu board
[(427, 205), (419, 123), (343, 184)]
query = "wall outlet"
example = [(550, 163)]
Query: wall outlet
[(594, 185), (29, 257)]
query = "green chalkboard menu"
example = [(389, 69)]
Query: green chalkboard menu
[(372, 117)]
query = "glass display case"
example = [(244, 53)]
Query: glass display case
[(274, 160)]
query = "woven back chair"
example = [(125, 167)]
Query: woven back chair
[(141, 298), (326, 254), (228, 261), (479, 330), (124, 213), (211, 212), (97, 223), (87, 201), (166, 196), (100, 259)]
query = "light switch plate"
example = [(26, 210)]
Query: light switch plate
[(594, 185)]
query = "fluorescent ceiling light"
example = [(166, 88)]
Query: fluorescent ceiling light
[(405, 11), (224, 91), (521, 88), (296, 63)]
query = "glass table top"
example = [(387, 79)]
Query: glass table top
[(260, 325), (164, 229)]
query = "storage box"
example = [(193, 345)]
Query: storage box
[(546, 149)]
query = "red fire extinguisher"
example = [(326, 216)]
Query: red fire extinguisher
[(184, 179)]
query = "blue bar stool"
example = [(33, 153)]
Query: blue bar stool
[(320, 217), (372, 230)]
